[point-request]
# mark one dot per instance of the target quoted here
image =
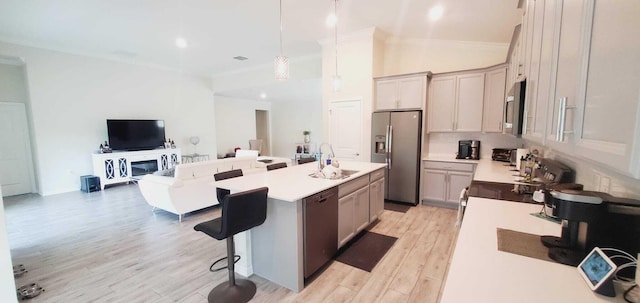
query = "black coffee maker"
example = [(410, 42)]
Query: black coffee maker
[(468, 149), (592, 219)]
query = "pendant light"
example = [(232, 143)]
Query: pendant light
[(336, 80), (281, 62)]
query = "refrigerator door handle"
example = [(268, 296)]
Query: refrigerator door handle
[(386, 152), (390, 144)]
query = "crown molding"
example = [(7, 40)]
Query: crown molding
[(438, 42), (11, 60)]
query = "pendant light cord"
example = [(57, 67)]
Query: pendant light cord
[(335, 13), (281, 28)]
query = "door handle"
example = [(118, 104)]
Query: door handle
[(356, 154), (390, 144)]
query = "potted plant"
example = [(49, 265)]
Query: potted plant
[(307, 137)]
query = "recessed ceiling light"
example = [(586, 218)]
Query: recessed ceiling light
[(181, 42), (332, 19), (263, 96), (436, 12)]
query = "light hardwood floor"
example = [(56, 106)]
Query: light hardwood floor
[(108, 246)]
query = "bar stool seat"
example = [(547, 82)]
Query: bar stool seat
[(240, 212)]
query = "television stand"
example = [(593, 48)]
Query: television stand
[(120, 167)]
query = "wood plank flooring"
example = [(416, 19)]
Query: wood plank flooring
[(108, 246)]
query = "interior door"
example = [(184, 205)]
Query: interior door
[(16, 166), (345, 129)]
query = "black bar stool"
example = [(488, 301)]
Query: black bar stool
[(221, 192), (240, 212), (276, 166)]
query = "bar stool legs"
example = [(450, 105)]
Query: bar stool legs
[(234, 290)]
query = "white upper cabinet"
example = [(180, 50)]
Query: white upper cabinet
[(456, 102), (405, 92), (470, 103), (566, 74), (494, 98), (442, 99), (608, 114), (533, 128), (581, 66)]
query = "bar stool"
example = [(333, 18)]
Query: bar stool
[(240, 212), (276, 166), (221, 192)]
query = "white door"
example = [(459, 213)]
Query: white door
[(345, 129), (16, 167)]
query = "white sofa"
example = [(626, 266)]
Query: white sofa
[(192, 187)]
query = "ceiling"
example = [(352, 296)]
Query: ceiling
[(144, 31)]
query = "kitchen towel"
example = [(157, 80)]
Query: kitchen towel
[(523, 244)]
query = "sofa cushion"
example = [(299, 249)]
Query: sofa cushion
[(170, 172)]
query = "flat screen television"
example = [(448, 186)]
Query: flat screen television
[(132, 135)]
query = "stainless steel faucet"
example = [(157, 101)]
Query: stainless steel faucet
[(331, 154)]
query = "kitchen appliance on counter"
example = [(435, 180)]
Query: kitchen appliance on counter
[(514, 109), (396, 138), (468, 149), (501, 154), (592, 219)]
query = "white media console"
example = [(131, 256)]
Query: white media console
[(118, 167)]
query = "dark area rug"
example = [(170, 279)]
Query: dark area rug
[(366, 250), (402, 208)]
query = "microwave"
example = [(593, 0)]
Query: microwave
[(514, 109)]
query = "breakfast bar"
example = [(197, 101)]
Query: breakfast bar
[(275, 249)]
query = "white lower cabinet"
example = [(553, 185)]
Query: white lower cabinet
[(376, 194), (346, 211), (119, 167), (354, 212), (443, 181)]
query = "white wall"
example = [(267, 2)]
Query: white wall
[(7, 283), (438, 56), (235, 122), (355, 67), (71, 96), (12, 84), (446, 144), (289, 119)]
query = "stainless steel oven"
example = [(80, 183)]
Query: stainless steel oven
[(514, 109)]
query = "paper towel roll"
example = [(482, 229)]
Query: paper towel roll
[(520, 152)]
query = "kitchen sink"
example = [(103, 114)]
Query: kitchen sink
[(345, 173)]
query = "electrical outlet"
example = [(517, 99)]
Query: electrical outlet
[(605, 184)]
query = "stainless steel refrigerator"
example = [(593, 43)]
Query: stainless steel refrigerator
[(396, 138)]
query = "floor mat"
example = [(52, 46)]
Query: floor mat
[(366, 250), (403, 208)]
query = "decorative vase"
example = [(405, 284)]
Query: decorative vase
[(307, 138)]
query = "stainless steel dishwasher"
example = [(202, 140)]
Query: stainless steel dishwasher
[(320, 229)]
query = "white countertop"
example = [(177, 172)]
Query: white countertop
[(480, 273), (294, 183)]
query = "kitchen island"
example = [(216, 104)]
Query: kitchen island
[(275, 249)]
